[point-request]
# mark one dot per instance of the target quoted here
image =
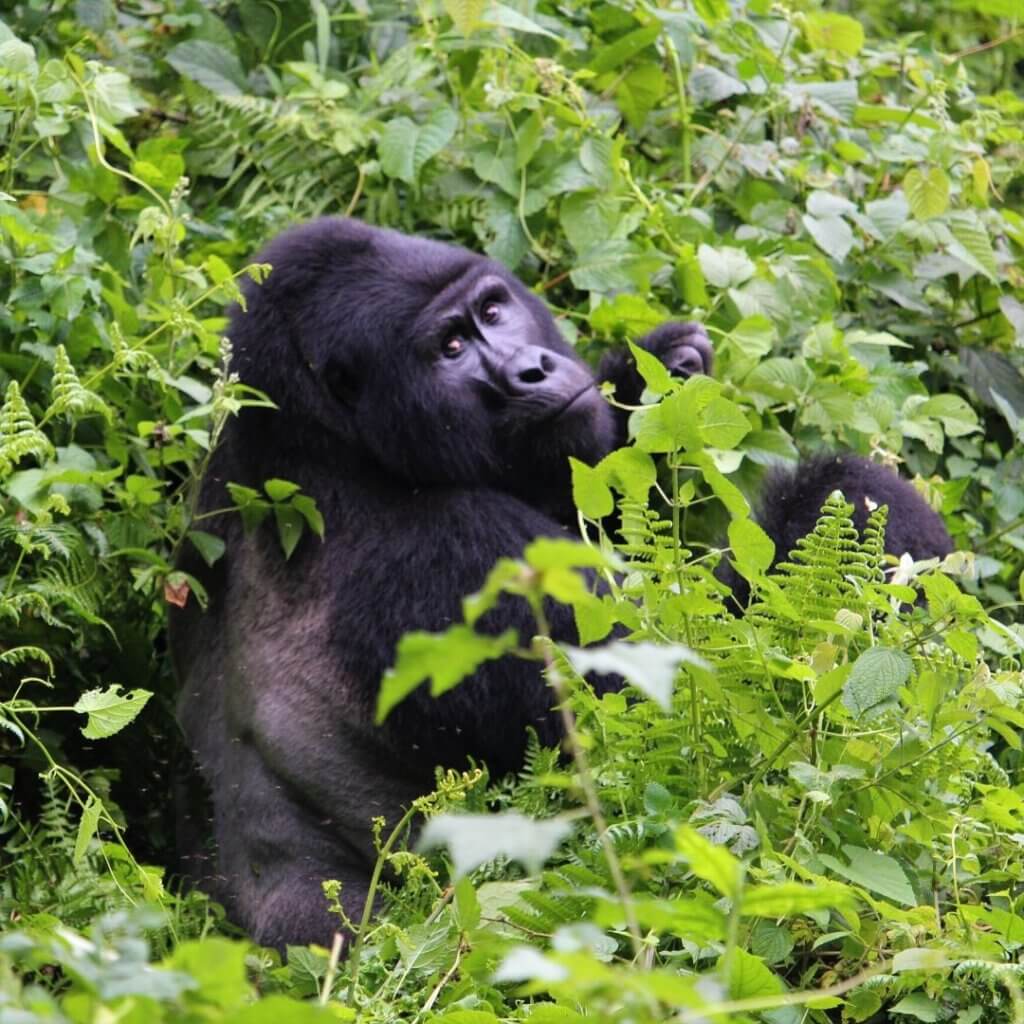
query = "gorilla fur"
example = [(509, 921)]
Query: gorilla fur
[(428, 402)]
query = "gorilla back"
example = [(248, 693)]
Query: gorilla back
[(428, 402)]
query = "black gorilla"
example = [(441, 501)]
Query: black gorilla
[(428, 402)]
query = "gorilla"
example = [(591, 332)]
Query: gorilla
[(428, 402)]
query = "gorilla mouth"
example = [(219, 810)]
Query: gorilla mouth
[(558, 413)]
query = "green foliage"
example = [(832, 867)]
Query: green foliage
[(809, 814)]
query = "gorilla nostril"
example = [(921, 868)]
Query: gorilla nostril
[(532, 375), (547, 364)]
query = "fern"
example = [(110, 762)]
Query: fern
[(69, 397), (19, 435), (647, 542), (287, 154), (75, 584), (830, 567)]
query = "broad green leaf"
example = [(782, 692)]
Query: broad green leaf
[(920, 959), (209, 546), (918, 1006), (875, 872), (609, 57), (214, 67), (508, 17), (590, 493), (875, 680), (651, 668), (710, 862), (443, 658), (109, 711), (279, 490), (631, 471), (217, 965), (754, 336), (927, 193), (722, 423), (466, 15), (839, 32), (831, 234), (655, 373), (629, 313), (724, 489), (973, 244), (405, 146), (475, 839), (712, 11), (752, 548), (724, 266), (305, 505), (640, 92), (289, 528), (749, 976), (86, 828), (614, 264), (554, 553), (953, 412), (787, 899)]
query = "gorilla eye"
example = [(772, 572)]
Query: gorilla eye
[(490, 313), (452, 347)]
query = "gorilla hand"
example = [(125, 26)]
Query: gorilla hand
[(683, 346)]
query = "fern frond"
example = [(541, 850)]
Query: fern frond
[(829, 569), (69, 397), (19, 435), (26, 652)]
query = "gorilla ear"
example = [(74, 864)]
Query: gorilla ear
[(342, 380)]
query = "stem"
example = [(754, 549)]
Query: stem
[(364, 923), (685, 134), (586, 778)]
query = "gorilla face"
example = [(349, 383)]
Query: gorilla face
[(496, 367), (434, 363)]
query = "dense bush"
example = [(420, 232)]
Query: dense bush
[(815, 813)]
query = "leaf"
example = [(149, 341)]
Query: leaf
[(624, 48), (752, 548), (831, 234), (724, 266), (289, 528), (875, 872), (212, 66), (279, 490), (590, 493), (839, 32), (749, 976), (712, 11), (108, 710), (927, 193), (918, 1006), (86, 829), (875, 680), (444, 658), (787, 899), (651, 668), (713, 863), (722, 423), (614, 264), (405, 146), (475, 839), (973, 244)]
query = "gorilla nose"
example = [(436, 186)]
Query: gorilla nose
[(530, 365)]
